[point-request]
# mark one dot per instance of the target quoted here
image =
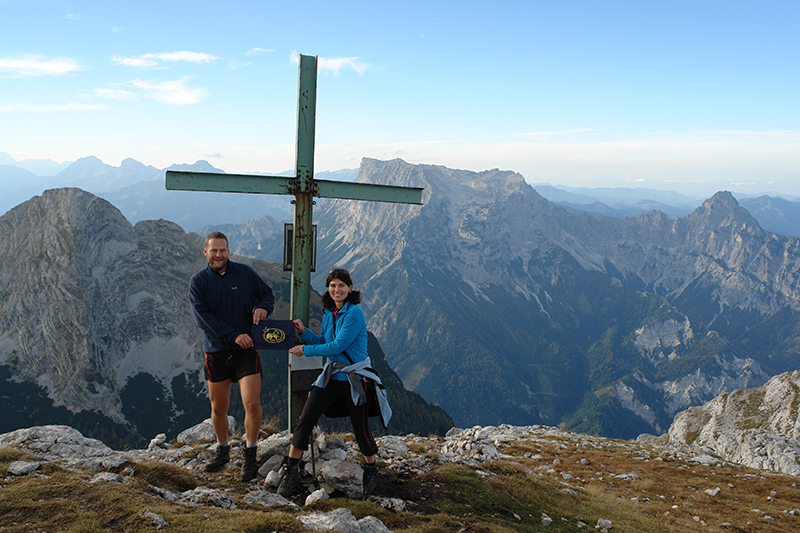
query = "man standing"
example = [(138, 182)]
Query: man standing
[(227, 299)]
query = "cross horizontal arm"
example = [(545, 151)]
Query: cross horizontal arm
[(367, 191), (181, 180), (216, 182)]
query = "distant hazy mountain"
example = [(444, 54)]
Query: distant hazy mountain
[(193, 210), (139, 192), (17, 185), (40, 167), (98, 333), (615, 196), (505, 308), (775, 214)]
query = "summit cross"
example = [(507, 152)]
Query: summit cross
[(304, 188)]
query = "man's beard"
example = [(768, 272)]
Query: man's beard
[(222, 268)]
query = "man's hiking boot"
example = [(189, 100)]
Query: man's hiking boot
[(221, 458), (250, 465), (370, 479), (290, 480)]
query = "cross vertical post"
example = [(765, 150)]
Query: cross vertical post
[(303, 219)]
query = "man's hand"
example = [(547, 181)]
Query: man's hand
[(259, 315), (244, 341)]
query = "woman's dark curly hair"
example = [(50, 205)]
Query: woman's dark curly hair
[(342, 275)]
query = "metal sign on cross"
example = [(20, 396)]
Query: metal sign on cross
[(303, 187)]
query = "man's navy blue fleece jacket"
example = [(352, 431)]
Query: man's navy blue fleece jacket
[(223, 304)]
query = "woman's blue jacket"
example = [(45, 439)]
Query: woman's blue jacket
[(349, 334)]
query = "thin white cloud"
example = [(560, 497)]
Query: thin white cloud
[(29, 66), (256, 51), (18, 107), (73, 16), (140, 62), (115, 94), (335, 64), (172, 92), (154, 60)]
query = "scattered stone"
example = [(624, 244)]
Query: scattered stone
[(107, 477), (317, 496), (395, 505), (23, 468), (273, 479), (156, 520), (203, 432), (343, 520), (272, 464), (268, 500), (343, 476), (158, 442), (603, 524)]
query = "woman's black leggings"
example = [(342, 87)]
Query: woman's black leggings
[(318, 402)]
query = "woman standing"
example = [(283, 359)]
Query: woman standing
[(343, 341)]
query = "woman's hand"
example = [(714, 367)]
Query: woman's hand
[(298, 325), (296, 350)]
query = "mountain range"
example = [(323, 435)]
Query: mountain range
[(504, 307), (97, 330), (138, 191)]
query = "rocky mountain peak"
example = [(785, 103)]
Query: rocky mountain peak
[(200, 165), (83, 307), (87, 167), (63, 226), (546, 288), (721, 212)]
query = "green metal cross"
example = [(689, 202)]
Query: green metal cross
[(303, 187)]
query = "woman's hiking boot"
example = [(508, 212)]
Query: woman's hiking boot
[(370, 479), (250, 465), (290, 480), (221, 458)]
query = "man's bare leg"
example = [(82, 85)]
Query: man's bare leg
[(250, 388), (219, 394)]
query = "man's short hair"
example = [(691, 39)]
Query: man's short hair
[(215, 235)]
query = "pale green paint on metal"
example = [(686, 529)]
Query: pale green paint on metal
[(303, 206), (368, 191), (252, 184), (216, 182)]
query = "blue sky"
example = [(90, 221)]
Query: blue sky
[(688, 95)]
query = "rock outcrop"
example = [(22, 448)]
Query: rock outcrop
[(758, 427)]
